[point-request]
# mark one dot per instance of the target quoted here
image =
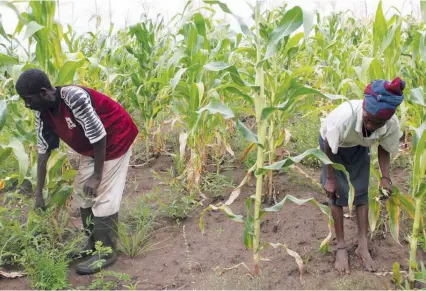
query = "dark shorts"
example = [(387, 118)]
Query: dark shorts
[(357, 162)]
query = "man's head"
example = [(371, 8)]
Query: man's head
[(381, 98), (34, 87)]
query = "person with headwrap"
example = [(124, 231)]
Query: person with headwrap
[(346, 135)]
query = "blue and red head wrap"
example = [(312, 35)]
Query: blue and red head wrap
[(381, 98)]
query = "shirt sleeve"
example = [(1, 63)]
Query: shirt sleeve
[(390, 142), (78, 100), (336, 126), (47, 140), (333, 131)]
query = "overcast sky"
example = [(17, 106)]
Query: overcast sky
[(126, 12)]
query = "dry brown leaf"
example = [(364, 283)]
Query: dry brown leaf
[(234, 195), (246, 152), (293, 254), (2, 184), (183, 138), (229, 149), (11, 275), (287, 137)]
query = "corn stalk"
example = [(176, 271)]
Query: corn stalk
[(260, 104), (418, 189)]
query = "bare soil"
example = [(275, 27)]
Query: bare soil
[(188, 259)]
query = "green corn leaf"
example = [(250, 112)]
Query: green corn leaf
[(291, 21), (244, 28), (268, 111), (376, 71), (55, 162), (407, 203), (423, 10), (308, 22), (21, 156), (418, 133), (374, 208), (4, 153), (422, 46), (419, 167), (68, 175), (176, 78), (235, 90), (309, 153), (420, 194), (247, 133), (417, 96), (217, 107), (7, 60), (379, 26), (389, 37), (415, 48), (200, 23), (3, 113), (396, 274), (60, 197), (67, 72), (303, 90), (2, 31), (216, 66), (393, 209), (32, 28), (221, 66), (293, 42)]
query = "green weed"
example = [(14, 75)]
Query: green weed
[(137, 227)]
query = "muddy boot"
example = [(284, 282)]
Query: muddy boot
[(87, 219), (105, 230)]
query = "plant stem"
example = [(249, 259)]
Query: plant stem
[(262, 129), (259, 186), (271, 160), (414, 240)]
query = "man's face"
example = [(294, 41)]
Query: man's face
[(40, 101), (371, 122)]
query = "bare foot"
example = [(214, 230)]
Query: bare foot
[(365, 256), (342, 261)]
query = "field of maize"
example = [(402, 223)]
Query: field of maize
[(223, 189)]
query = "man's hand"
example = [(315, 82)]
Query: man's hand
[(330, 187), (39, 202), (385, 187), (92, 185)]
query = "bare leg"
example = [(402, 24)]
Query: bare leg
[(362, 250), (342, 262)]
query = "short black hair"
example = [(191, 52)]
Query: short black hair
[(31, 81)]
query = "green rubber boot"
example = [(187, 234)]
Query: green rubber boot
[(87, 219), (105, 230)]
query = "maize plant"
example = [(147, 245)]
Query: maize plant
[(265, 46), (418, 193), (151, 90)]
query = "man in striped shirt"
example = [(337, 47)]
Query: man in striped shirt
[(102, 132)]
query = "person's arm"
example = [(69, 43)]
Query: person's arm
[(384, 162), (329, 153), (47, 141), (331, 184), (41, 178), (93, 182)]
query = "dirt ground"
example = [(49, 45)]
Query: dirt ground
[(188, 259)]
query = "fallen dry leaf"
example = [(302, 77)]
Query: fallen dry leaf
[(10, 275)]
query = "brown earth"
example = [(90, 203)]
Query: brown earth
[(188, 259)]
